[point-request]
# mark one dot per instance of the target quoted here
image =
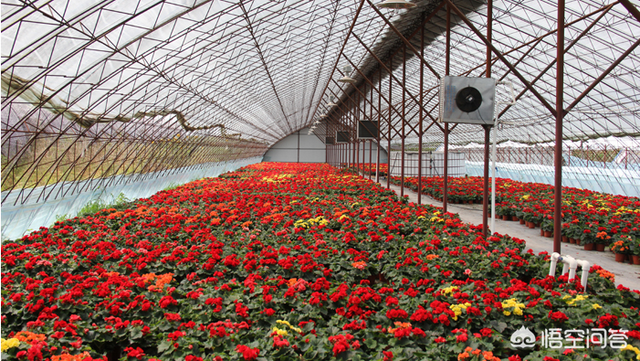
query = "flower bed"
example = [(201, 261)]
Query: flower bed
[(290, 261), (370, 168), (588, 216)]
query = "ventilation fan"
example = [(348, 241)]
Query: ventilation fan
[(467, 100), (342, 137), (367, 129)]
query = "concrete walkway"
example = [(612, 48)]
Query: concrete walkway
[(626, 274)]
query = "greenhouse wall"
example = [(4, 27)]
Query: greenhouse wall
[(432, 164), (20, 219), (613, 181), (297, 147)]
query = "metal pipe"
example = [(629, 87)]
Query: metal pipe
[(389, 135), (420, 117), (402, 156), (557, 200), (485, 188), (379, 125)]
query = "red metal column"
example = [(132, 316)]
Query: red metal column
[(445, 161), (370, 140), (420, 115), (379, 124), (356, 120), (557, 201), (404, 81), (485, 185), (389, 135), (487, 130)]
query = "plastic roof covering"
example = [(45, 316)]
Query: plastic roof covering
[(141, 86), (124, 76), (525, 32)]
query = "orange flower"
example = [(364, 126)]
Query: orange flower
[(67, 357), (400, 325), (602, 235), (359, 265), (161, 280), (29, 337), (606, 274), (488, 355), (432, 256)]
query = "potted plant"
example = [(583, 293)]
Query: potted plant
[(588, 240), (546, 227), (634, 249), (602, 240), (621, 247)]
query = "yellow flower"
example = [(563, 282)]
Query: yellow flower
[(283, 322), (634, 349), (517, 311), (10, 343), (449, 290), (596, 306), (457, 309), (280, 332), (578, 298), (512, 303)]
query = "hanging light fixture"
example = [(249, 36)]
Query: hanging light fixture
[(396, 4), (346, 79), (332, 101)]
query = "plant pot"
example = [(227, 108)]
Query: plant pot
[(505, 218), (635, 259), (577, 241), (522, 221), (620, 257), (530, 225), (589, 246), (548, 234), (565, 239), (600, 247), (572, 240), (541, 232), (514, 218)]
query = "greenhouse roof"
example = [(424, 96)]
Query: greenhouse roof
[(144, 86)]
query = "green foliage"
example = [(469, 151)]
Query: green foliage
[(95, 206)]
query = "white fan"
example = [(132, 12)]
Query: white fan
[(467, 100)]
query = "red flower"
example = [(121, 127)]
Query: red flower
[(247, 352), (388, 355), (397, 314), (280, 342), (137, 352), (558, 316), (462, 337), (440, 340), (172, 317)]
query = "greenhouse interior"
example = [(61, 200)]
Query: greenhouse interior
[(320, 180)]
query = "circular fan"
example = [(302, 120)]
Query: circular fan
[(468, 99)]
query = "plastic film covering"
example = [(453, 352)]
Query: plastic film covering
[(143, 89), (601, 123)]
